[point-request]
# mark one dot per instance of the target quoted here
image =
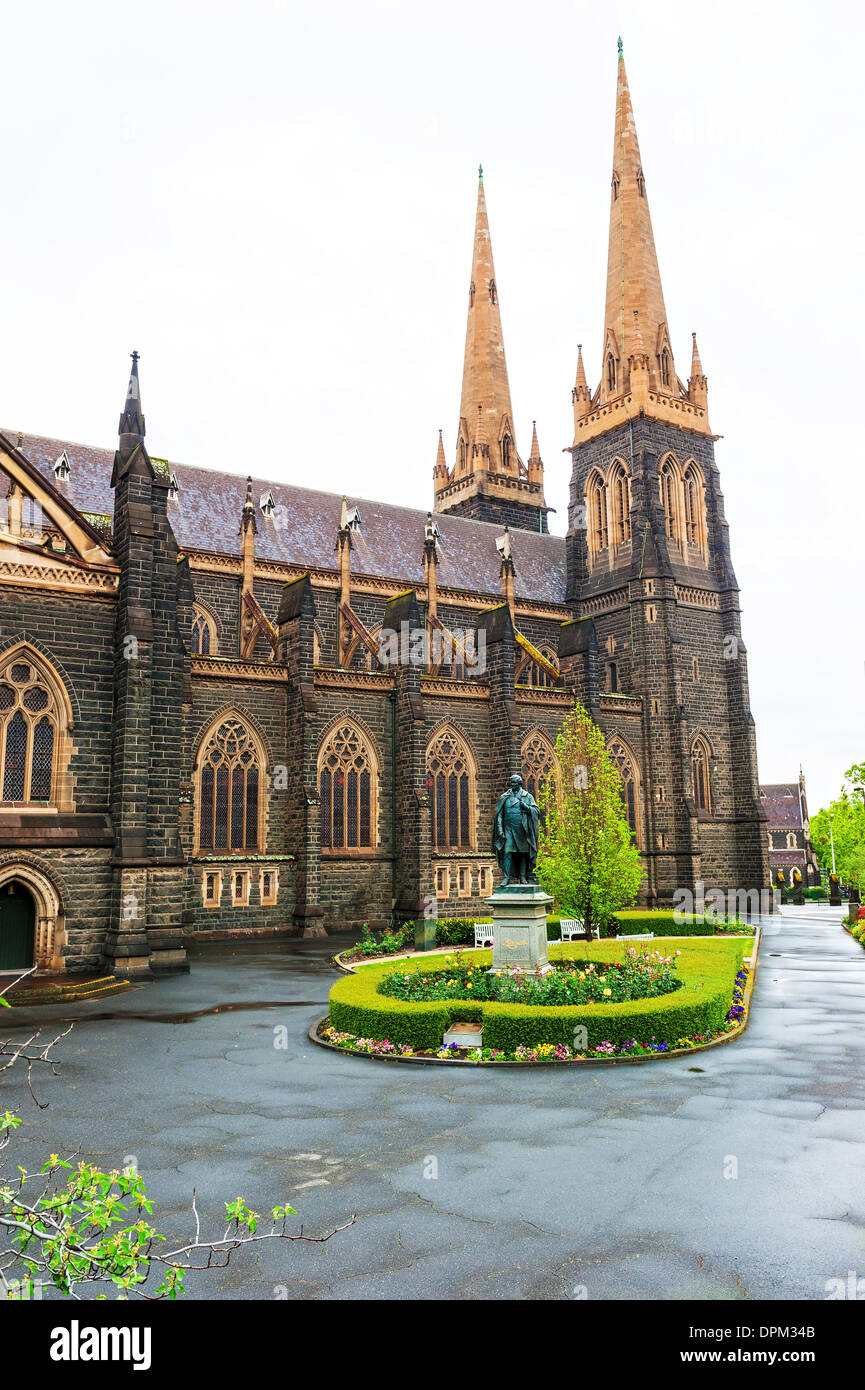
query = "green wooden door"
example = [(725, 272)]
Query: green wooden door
[(17, 917)]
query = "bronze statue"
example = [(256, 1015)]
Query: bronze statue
[(515, 834)]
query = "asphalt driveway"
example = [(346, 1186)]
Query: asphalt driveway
[(734, 1173)]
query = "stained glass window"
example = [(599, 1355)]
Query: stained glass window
[(228, 790), (346, 781)]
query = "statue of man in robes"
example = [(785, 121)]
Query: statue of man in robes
[(515, 834)]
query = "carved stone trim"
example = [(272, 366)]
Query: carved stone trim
[(692, 597), (621, 704), (333, 678), (552, 699), (234, 669), (454, 690), (40, 575)]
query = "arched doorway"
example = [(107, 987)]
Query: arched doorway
[(17, 927)]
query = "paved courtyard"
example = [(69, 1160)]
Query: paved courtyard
[(615, 1181)]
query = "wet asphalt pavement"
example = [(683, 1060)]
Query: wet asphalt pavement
[(738, 1172)]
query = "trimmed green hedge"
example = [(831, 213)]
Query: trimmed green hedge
[(460, 931), (707, 970)]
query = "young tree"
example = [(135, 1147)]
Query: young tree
[(585, 856)]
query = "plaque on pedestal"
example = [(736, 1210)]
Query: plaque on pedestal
[(519, 912)]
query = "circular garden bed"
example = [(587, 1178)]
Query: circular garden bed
[(707, 1004)]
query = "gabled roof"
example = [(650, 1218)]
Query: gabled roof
[(781, 803), (390, 543)]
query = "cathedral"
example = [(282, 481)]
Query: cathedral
[(237, 708)]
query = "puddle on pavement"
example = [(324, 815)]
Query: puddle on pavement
[(187, 1016)]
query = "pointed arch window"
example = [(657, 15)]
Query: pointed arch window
[(471, 294), (451, 780), (700, 775), (493, 292), (665, 367), (539, 764), (230, 777), (348, 788), (695, 507), (34, 721), (596, 509), (506, 452), (611, 372), (532, 673), (615, 186), (625, 764), (462, 453), (668, 479), (204, 639), (620, 486), (641, 183)]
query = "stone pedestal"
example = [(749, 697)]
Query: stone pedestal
[(519, 915)]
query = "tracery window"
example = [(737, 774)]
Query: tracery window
[(700, 775), (669, 484), (620, 486), (204, 640), (230, 799), (347, 784), (506, 452), (597, 513), (531, 672), (34, 718), (539, 763), (624, 763), (665, 367), (695, 506), (493, 294), (611, 372), (451, 778)]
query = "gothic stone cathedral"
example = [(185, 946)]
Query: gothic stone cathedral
[(203, 734)]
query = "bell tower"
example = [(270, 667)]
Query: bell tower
[(649, 570)]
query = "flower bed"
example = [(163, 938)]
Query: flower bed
[(605, 1050), (638, 975), (707, 970)]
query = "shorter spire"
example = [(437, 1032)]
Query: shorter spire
[(131, 453), (581, 371), (247, 515), (698, 386), (132, 418), (696, 364), (535, 452)]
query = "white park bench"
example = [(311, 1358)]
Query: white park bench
[(483, 935), (574, 926), (643, 936)]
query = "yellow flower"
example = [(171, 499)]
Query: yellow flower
[(608, 992), (470, 984)]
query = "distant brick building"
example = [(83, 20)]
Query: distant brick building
[(788, 831), (208, 730)]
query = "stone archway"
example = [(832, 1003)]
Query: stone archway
[(49, 935)]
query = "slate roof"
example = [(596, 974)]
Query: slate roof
[(781, 804), (389, 544)]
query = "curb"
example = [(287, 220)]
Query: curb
[(678, 1052)]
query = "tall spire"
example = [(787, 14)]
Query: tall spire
[(489, 481), (485, 406), (633, 277)]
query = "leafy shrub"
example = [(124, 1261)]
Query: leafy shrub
[(389, 943), (458, 931)]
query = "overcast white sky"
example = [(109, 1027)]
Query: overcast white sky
[(274, 202)]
